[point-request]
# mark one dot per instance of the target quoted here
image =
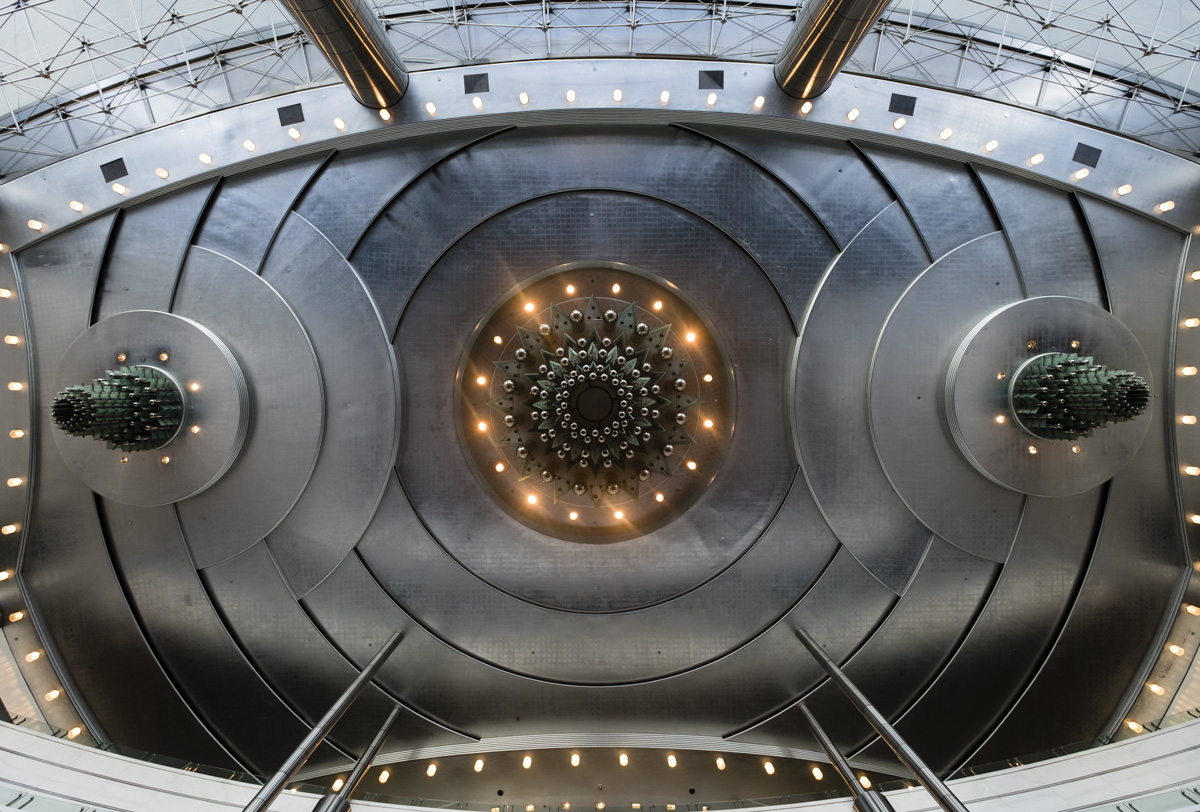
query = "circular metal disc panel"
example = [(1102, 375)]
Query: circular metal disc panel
[(600, 461), (216, 405), (977, 397)]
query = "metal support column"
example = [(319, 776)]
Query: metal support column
[(270, 790), (349, 34), (340, 801), (940, 793), (865, 800), (825, 36)]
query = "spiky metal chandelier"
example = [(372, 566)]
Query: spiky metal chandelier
[(135, 408), (1063, 396)]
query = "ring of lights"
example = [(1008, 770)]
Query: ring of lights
[(216, 407), (978, 407), (589, 396)]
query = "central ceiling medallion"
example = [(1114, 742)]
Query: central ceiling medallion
[(596, 402)]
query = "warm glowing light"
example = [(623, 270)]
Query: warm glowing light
[(1191, 609), (15, 616), (36, 225), (1124, 189), (944, 135), (341, 125), (570, 96), (523, 98), (1188, 419), (5, 575), (708, 424), (617, 96), (531, 499), (477, 103), (16, 434), (1081, 173), (1188, 371), (295, 136), (5, 293), (1166, 206), (481, 380), (769, 767), (618, 515), (671, 762), (478, 765), (691, 465), (166, 460), (658, 497), (482, 426), (385, 115), (16, 481), (720, 763), (1176, 650), (1000, 418), (53, 695), (32, 656), (1195, 275), (195, 429), (338, 784), (162, 356), (162, 173), (1074, 449), (759, 101), (431, 108), (570, 290), (1192, 470), (1193, 322), (711, 100), (708, 378), (574, 759), (120, 188), (431, 769), (1134, 726), (76, 205), (249, 145), (12, 340), (15, 386), (690, 336), (529, 307), (600, 805), (121, 357), (806, 108), (572, 515), (497, 340), (616, 288), (195, 387), (852, 115), (658, 305), (384, 775), (1037, 159), (527, 762), (899, 123), (206, 159), (1032, 449), (866, 782), (664, 97), (990, 146), (623, 760), (499, 468), (73, 732), (1156, 689), (817, 774)]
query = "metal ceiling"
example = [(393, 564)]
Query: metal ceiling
[(74, 73)]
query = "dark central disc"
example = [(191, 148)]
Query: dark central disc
[(595, 404)]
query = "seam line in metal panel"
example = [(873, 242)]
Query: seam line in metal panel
[(1102, 280), (191, 240), (883, 178), (288, 209), (991, 202)]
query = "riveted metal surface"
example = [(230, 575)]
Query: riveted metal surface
[(518, 165), (1048, 236), (64, 554), (907, 384), (943, 198), (831, 177), (1013, 632), (684, 632), (831, 422), (192, 643), (215, 400), (1140, 550), (358, 377), (287, 407), (1005, 452), (146, 252), (376, 174), (249, 209), (748, 487)]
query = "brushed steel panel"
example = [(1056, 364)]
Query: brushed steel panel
[(1126, 596), (348, 192), (831, 177), (943, 198), (907, 384), (146, 252), (907, 650), (287, 407), (248, 210), (832, 425), (748, 487), (65, 554), (299, 663), (732, 192), (1048, 235), (193, 645), (1012, 633), (651, 642), (358, 377)]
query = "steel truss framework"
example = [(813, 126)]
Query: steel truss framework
[(74, 73)]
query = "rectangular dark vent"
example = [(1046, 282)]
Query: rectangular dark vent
[(114, 170), (1088, 156), (712, 80), (292, 114), (904, 105), (475, 83)]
